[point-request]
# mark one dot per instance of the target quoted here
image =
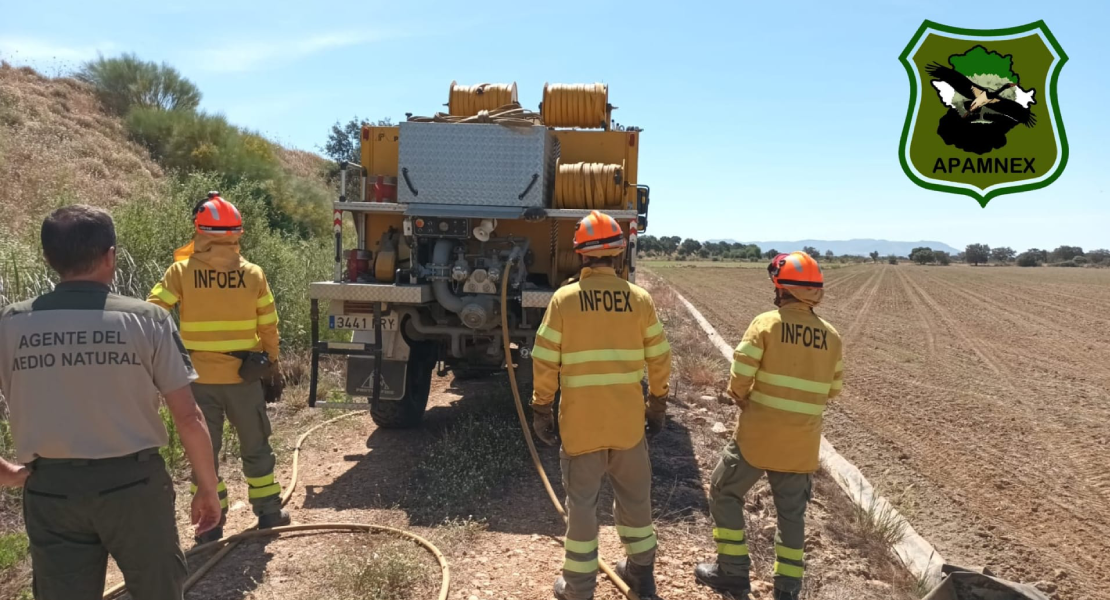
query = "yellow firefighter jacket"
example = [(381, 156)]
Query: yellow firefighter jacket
[(784, 371), (594, 340), (225, 306)]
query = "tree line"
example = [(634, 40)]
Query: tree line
[(681, 249)]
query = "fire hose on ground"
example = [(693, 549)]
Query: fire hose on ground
[(227, 544)]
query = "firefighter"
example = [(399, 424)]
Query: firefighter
[(787, 366), (595, 338), (82, 369), (229, 325)]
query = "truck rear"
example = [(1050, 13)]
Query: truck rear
[(446, 204)]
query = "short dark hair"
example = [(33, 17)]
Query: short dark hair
[(75, 238), (599, 261)]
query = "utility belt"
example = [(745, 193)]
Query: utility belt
[(256, 365), (45, 463)]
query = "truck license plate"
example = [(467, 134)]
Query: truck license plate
[(361, 322)]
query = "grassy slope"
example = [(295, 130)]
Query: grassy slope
[(58, 147)]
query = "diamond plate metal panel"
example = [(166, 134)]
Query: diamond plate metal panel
[(371, 292), (536, 298), (476, 164)]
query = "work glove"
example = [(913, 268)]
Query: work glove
[(273, 384), (656, 412), (543, 423)]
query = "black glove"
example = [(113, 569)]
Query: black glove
[(543, 423), (656, 412), (273, 384)]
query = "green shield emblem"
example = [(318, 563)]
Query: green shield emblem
[(984, 116)]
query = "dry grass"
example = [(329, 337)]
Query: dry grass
[(697, 365), (58, 147)]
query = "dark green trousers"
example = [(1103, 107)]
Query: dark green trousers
[(78, 513), (245, 407), (732, 479)]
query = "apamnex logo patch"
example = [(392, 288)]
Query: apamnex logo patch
[(984, 118)]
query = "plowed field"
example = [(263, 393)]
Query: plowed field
[(977, 399)]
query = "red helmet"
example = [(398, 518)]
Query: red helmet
[(216, 216), (796, 270), (598, 234)]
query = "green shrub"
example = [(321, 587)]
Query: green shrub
[(127, 82), (13, 549), (1028, 259)]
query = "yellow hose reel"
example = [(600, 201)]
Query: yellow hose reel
[(584, 105), (589, 186), (469, 100)]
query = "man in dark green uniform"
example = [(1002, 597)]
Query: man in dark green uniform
[(81, 369)]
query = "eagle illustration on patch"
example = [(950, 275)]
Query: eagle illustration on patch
[(984, 116)]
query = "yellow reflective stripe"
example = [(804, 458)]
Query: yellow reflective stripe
[(743, 369), (244, 325), (658, 349), (266, 300), (260, 481), (795, 383), (750, 349), (225, 346), (577, 381), (794, 406), (839, 366), (580, 547), (585, 356), (654, 330), (545, 354), (263, 492), (732, 535), (791, 553), (164, 294), (223, 503), (732, 549), (837, 384), (641, 546), (549, 334), (268, 318), (580, 566), (635, 532), (789, 570), (220, 487)]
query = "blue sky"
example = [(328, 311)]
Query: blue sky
[(763, 120)]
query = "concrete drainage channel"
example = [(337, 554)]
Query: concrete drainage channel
[(915, 552)]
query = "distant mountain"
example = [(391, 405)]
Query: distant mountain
[(855, 247)]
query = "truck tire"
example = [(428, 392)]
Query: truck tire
[(409, 410)]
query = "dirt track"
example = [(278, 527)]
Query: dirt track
[(977, 398), (357, 472)]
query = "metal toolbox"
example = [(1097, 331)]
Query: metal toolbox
[(476, 164)]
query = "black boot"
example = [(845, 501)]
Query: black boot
[(560, 589), (213, 534), (710, 574), (640, 579), (785, 595), (271, 520)]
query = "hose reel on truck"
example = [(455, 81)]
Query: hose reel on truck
[(472, 188)]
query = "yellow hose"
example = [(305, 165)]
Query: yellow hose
[(605, 568), (576, 105), (589, 185), (227, 544), (469, 100), (509, 114)]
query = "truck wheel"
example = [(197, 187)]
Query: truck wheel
[(409, 410)]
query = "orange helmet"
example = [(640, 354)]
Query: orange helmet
[(216, 216), (796, 270), (598, 234)]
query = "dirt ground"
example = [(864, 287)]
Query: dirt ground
[(975, 398), (508, 545)]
